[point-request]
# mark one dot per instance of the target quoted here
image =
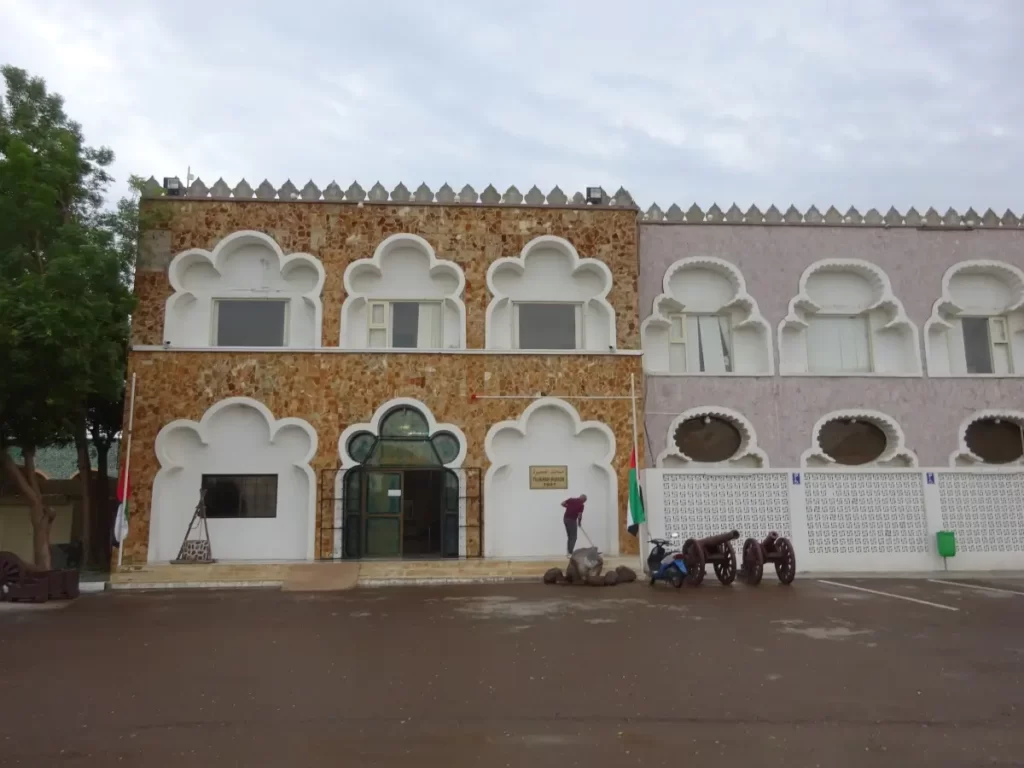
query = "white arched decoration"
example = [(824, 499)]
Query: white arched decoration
[(525, 522), (963, 456), (373, 427), (236, 436), (550, 271), (895, 455), (248, 266), (845, 320), (403, 270), (992, 294), (747, 455), (701, 296)]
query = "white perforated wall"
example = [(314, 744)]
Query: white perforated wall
[(698, 505), (865, 512), (985, 511)]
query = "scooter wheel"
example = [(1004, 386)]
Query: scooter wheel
[(675, 576)]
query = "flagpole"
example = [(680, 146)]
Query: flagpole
[(127, 465), (641, 533)]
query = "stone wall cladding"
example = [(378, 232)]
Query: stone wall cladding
[(784, 409), (333, 390), (338, 234)]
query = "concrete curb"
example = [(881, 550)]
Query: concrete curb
[(141, 585)]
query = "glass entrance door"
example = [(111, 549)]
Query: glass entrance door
[(383, 519)]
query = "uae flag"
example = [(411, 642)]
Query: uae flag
[(636, 498), (121, 521)]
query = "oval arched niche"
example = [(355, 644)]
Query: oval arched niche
[(708, 439), (852, 441), (995, 441)]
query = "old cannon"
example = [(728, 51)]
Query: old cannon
[(774, 549), (716, 550)]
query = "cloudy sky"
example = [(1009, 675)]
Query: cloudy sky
[(871, 103)]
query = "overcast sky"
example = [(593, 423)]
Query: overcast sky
[(866, 102)]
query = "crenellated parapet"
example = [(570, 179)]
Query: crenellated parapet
[(931, 218), (378, 193)]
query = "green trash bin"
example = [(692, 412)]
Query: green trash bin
[(946, 541)]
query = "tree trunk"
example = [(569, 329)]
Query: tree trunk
[(85, 483), (41, 515), (101, 508)]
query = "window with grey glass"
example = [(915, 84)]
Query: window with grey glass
[(405, 324), (250, 323), (240, 496), (546, 326), (977, 344)]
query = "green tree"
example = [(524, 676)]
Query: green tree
[(64, 302)]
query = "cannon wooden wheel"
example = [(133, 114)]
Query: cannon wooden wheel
[(785, 566), (753, 562), (693, 557), (725, 569)]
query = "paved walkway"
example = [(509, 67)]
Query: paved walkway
[(818, 674)]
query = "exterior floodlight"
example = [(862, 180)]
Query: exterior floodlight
[(595, 195), (172, 186)]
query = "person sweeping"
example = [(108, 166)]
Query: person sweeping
[(573, 518)]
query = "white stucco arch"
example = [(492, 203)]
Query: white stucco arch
[(747, 455), (850, 287), (963, 456), (404, 267), (708, 286), (549, 269), (236, 436), (373, 427), (978, 288), (521, 522), (896, 453), (243, 265)]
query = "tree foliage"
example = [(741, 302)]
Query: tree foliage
[(64, 297)]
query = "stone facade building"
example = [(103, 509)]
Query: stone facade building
[(407, 374), (382, 377)]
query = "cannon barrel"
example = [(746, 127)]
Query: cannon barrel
[(714, 541)]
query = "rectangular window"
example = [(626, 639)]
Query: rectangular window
[(700, 343), (250, 323), (548, 326), (837, 344), (405, 325), (986, 344), (235, 496)]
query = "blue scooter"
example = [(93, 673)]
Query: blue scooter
[(665, 565)]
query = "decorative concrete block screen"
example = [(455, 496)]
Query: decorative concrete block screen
[(872, 520), (986, 511), (872, 512), (704, 504)]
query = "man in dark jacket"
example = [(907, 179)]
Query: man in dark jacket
[(572, 518)]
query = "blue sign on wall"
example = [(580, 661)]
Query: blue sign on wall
[(931, 478), (796, 478)]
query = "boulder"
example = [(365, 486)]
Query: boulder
[(625, 574), (554, 576), (586, 562)]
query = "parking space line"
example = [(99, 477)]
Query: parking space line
[(888, 594), (976, 586)]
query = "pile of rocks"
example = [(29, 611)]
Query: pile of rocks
[(585, 568)]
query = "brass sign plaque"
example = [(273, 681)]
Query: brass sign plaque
[(549, 478)]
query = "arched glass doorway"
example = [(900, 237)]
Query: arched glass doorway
[(401, 501)]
